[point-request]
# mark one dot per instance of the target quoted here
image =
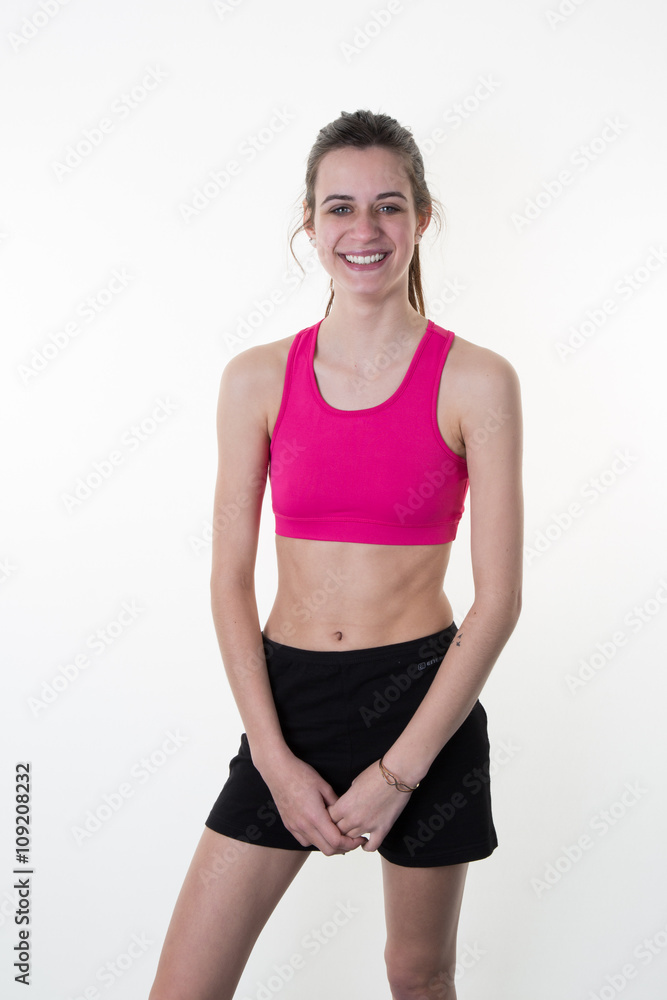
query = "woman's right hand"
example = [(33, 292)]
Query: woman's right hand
[(302, 796)]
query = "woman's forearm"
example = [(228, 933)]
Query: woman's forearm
[(455, 688), (237, 627)]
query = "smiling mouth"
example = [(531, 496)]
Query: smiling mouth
[(354, 258)]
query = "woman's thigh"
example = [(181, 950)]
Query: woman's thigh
[(230, 890), (422, 907)]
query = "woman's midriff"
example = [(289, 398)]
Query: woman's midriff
[(346, 595)]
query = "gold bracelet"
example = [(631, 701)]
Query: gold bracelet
[(391, 779)]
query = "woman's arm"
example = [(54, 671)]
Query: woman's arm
[(491, 427), (243, 457), (494, 449), (300, 793)]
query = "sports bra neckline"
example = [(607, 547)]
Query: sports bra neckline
[(367, 409)]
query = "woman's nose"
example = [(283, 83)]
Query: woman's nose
[(365, 226)]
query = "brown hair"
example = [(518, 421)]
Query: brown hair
[(362, 129)]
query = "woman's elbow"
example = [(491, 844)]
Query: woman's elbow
[(502, 607)]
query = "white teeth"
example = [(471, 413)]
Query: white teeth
[(365, 260)]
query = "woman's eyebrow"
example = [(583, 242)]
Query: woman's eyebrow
[(348, 197)]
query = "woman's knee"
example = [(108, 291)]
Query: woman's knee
[(160, 991), (419, 976)]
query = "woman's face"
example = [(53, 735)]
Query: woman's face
[(364, 208)]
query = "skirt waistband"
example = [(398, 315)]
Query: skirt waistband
[(423, 646)]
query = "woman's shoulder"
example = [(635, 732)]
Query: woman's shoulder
[(253, 379), (472, 363), (481, 390), (476, 378), (260, 364)]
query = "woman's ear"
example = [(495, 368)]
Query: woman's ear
[(307, 223), (424, 221)]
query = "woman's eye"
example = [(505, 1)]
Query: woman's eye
[(384, 209)]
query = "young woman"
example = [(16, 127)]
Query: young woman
[(359, 698)]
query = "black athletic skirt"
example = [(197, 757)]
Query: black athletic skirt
[(340, 712)]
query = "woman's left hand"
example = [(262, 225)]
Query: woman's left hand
[(370, 805)]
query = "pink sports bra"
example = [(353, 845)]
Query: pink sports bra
[(383, 474)]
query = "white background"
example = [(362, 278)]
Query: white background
[(540, 925)]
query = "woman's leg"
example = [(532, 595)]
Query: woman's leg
[(422, 907), (230, 890)]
